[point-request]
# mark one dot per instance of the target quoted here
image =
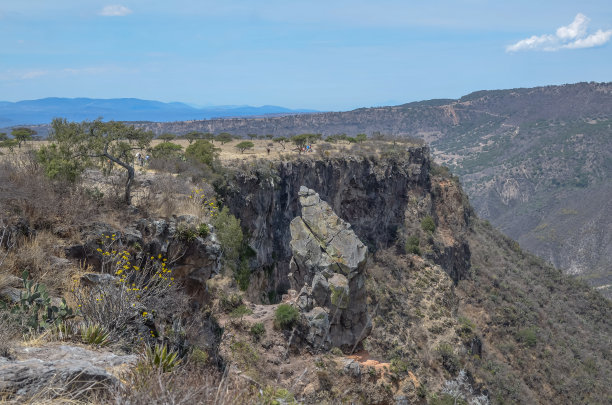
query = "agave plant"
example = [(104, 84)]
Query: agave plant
[(159, 357), (94, 334)]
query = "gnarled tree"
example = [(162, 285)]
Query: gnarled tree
[(91, 141)]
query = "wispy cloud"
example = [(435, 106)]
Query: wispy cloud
[(572, 36), (31, 74), (115, 10)]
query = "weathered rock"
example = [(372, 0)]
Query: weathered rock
[(352, 368), (329, 262), (92, 279), (59, 370)]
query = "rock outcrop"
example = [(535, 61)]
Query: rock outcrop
[(376, 195), (194, 260), (328, 268), (59, 370)]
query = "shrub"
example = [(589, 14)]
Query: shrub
[(231, 302), (144, 288), (243, 275), (449, 360), (202, 151), (258, 330), (203, 230), (186, 233), (336, 351), (166, 150), (428, 225), (528, 337), (412, 245), (57, 163), (285, 316), (229, 233), (240, 312), (199, 356)]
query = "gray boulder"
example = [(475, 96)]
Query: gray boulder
[(327, 267), (59, 371)]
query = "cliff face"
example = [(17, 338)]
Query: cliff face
[(377, 196)]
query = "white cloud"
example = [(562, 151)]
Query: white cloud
[(115, 10), (573, 36)]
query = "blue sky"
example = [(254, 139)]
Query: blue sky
[(325, 55)]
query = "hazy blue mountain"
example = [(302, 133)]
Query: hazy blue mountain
[(121, 109)]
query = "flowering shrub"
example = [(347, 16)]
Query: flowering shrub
[(143, 286)]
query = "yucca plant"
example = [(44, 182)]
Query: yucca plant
[(159, 357), (94, 334)]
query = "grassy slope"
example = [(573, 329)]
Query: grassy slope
[(546, 336)]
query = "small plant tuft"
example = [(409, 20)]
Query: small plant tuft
[(258, 330), (428, 224), (285, 316)]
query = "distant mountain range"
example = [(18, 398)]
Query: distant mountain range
[(42, 111)]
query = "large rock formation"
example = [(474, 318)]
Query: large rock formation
[(327, 267), (376, 195)]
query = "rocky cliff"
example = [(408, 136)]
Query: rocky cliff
[(376, 195)]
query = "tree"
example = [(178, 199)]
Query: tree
[(361, 137), (300, 141), (22, 134), (242, 146), (252, 136), (224, 138), (166, 150), (167, 137), (202, 151), (87, 141), (282, 141), (192, 136), (3, 136), (269, 136)]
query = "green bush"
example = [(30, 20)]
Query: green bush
[(258, 330), (428, 224), (58, 164), (412, 245), (240, 312), (243, 275), (186, 233), (203, 230), (166, 150), (202, 151), (231, 302), (229, 233), (285, 316)]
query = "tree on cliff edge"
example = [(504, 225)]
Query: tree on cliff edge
[(78, 145)]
